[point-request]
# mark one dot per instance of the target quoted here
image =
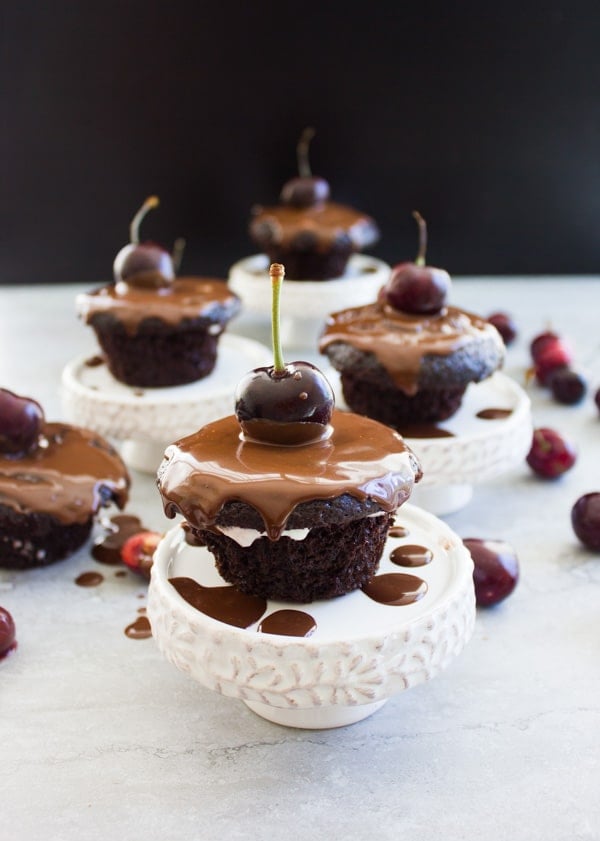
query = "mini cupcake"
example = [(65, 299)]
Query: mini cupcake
[(293, 499), (408, 357), (53, 480), (312, 235), (155, 329)]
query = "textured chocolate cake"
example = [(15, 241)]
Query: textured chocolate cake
[(408, 357), (313, 236), (155, 329), (53, 480)]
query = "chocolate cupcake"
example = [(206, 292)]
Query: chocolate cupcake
[(54, 478), (313, 236), (408, 357), (155, 329), (293, 499)]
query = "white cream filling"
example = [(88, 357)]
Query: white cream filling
[(246, 537)]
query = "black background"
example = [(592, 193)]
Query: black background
[(487, 121)]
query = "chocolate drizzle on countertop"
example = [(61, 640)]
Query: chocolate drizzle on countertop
[(323, 223), (89, 579), (226, 604), (139, 630), (107, 549), (362, 458), (183, 298), (400, 340), (70, 475), (395, 588)]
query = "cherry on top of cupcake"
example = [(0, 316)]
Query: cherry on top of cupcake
[(21, 422), (305, 189), (144, 264), (414, 287), (284, 404)]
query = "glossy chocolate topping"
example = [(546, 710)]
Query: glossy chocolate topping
[(184, 297), (400, 340), (71, 474), (362, 458), (395, 588), (411, 555), (324, 223)]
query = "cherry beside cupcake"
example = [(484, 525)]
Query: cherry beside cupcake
[(313, 236), (408, 357), (54, 478), (293, 498), (156, 329)]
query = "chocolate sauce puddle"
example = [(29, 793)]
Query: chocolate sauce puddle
[(424, 430), (395, 588), (411, 555), (397, 531), (94, 361), (89, 579), (226, 604), (291, 623), (140, 629), (493, 414)]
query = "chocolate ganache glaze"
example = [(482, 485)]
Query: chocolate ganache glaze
[(401, 340), (70, 474), (174, 301), (216, 465), (323, 223)]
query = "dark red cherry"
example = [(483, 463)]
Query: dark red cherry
[(567, 386), (505, 325), (495, 569), (541, 341), (138, 551), (552, 356), (284, 404), (415, 287), (550, 455), (144, 264), (21, 420), (585, 519), (7, 633), (305, 189), (293, 406)]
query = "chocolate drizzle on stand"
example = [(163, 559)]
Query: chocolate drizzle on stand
[(425, 430), (395, 588), (292, 623), (494, 414), (411, 555), (226, 604), (398, 531)]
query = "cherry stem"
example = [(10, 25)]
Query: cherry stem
[(277, 272), (177, 255), (134, 228), (302, 152), (420, 261)]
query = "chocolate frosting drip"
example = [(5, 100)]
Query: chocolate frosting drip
[(362, 458), (400, 340), (182, 298), (323, 223), (71, 474)]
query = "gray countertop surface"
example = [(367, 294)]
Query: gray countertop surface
[(102, 738)]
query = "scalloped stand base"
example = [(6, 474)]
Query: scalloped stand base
[(315, 718)]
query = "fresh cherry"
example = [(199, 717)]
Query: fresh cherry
[(7, 633), (585, 519), (21, 420), (567, 386), (138, 551), (284, 404), (550, 455), (305, 189), (143, 263), (415, 287), (505, 325), (553, 356), (541, 341), (495, 569)]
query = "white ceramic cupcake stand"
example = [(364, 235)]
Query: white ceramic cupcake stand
[(305, 304), (143, 421), (361, 653)]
